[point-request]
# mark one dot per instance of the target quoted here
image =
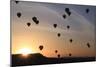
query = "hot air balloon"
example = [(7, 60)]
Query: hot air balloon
[(55, 25), (58, 55), (88, 45), (87, 10), (67, 11), (28, 24), (70, 54), (56, 51), (34, 19), (64, 16), (71, 40), (68, 26), (41, 47), (37, 22), (18, 14), (59, 34), (16, 2)]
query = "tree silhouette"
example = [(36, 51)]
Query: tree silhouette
[(58, 55), (41, 47), (88, 45), (68, 26), (28, 24), (71, 40), (64, 16), (87, 10), (55, 25), (18, 14), (59, 34)]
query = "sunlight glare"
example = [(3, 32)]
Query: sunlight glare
[(25, 51)]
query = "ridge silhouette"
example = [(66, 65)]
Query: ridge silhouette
[(39, 59)]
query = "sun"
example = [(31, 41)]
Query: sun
[(25, 51)]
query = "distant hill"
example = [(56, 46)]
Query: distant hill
[(39, 59)]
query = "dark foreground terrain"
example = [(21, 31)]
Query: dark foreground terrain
[(39, 59)]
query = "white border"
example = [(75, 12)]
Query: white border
[(5, 33)]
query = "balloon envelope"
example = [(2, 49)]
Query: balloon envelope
[(88, 45), (69, 13), (40, 47), (55, 25), (87, 10), (19, 14), (56, 51), (66, 9), (28, 24), (71, 40), (37, 22), (64, 16), (59, 34), (16, 2), (68, 26), (58, 55), (70, 54), (34, 19)]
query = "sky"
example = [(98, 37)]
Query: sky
[(81, 31)]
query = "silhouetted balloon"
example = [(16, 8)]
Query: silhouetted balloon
[(88, 45), (68, 26), (35, 20), (19, 14), (56, 51), (58, 55), (64, 16), (28, 24), (87, 10), (67, 11), (55, 25), (70, 54), (40, 47), (71, 40), (59, 34), (16, 2)]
